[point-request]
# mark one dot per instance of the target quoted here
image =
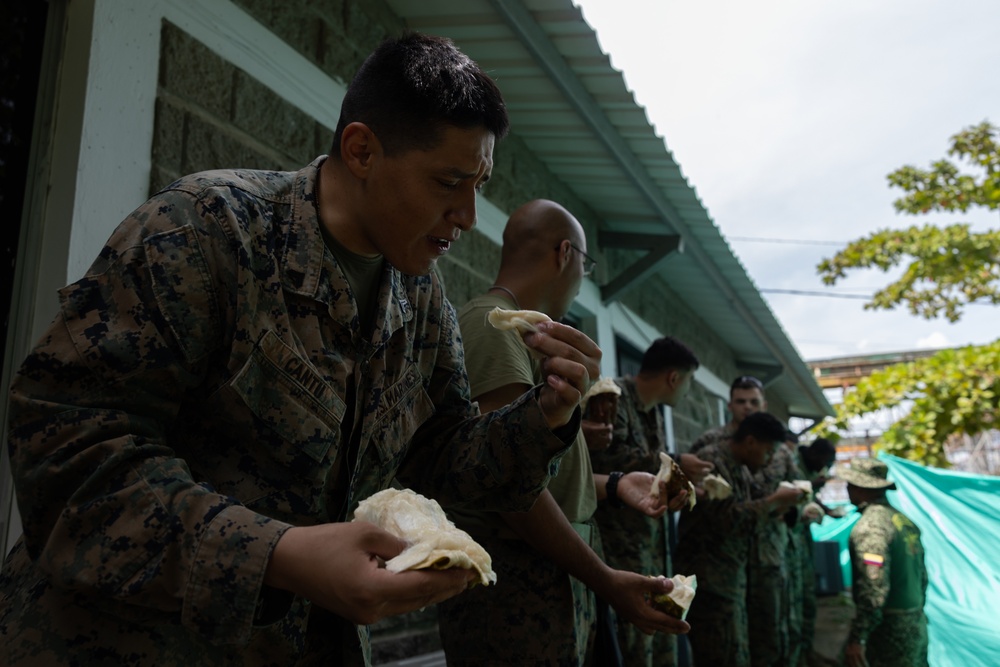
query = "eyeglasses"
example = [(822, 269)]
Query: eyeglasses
[(589, 263), (747, 381)]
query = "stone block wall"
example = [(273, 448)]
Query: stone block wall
[(212, 115)]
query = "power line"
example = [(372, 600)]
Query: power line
[(758, 239), (812, 293)]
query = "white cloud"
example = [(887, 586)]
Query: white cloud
[(786, 117), (935, 340)]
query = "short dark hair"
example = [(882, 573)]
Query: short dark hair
[(412, 86), (668, 353), (791, 436), (823, 449), (762, 425), (746, 382)]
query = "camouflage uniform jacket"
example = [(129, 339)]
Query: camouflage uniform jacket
[(772, 539), (631, 540), (713, 436), (887, 563), (204, 387), (714, 538)]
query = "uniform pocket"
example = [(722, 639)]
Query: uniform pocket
[(403, 408), (183, 289), (285, 393), (153, 307)]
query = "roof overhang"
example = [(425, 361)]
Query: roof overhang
[(573, 109)]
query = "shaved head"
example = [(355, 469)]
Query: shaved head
[(534, 229), (542, 257)]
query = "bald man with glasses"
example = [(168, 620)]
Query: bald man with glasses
[(544, 607)]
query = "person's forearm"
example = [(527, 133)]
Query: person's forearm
[(546, 528), (623, 455), (864, 621), (447, 457), (601, 486)]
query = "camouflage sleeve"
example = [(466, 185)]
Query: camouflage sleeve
[(781, 468), (699, 444), (710, 437), (737, 512), (731, 514), (108, 507), (500, 461), (869, 550)]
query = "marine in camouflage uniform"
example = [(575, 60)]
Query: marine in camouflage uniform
[(803, 529), (793, 559), (768, 579), (889, 578), (746, 397), (714, 543), (632, 541), (203, 388), (807, 575), (535, 612)]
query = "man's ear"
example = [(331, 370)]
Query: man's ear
[(358, 145), (563, 253)]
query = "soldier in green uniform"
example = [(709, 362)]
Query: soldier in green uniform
[(769, 580), (746, 396), (632, 541), (889, 578), (793, 560), (542, 609), (251, 355), (715, 538), (815, 460)]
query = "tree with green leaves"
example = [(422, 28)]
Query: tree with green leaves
[(946, 269), (949, 267)]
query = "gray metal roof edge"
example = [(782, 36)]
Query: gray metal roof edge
[(763, 322)]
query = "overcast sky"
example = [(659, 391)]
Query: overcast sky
[(786, 116)]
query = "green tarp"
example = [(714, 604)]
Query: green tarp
[(959, 519), (838, 530)]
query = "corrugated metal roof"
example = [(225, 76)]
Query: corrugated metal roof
[(573, 109)]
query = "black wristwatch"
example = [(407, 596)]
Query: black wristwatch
[(612, 489)]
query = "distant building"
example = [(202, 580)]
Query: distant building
[(979, 453)]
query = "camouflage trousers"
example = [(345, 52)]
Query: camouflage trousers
[(795, 600), (638, 544), (656, 650), (719, 634), (536, 614), (900, 640), (808, 572), (767, 610)]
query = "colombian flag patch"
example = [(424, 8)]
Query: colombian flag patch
[(873, 559)]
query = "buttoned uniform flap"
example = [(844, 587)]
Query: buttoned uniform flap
[(287, 394), (402, 408)]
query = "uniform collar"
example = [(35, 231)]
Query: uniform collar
[(302, 261), (628, 386), (306, 259)]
